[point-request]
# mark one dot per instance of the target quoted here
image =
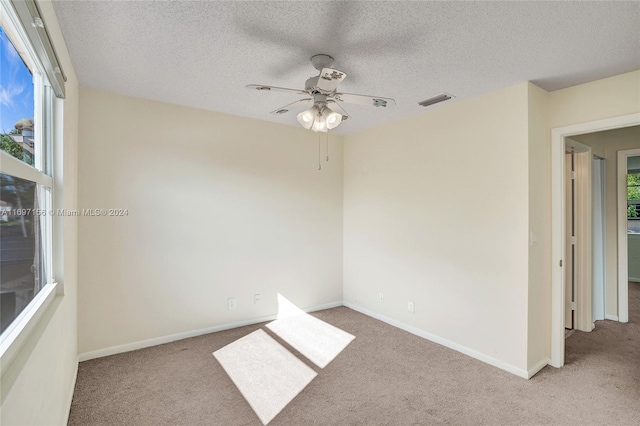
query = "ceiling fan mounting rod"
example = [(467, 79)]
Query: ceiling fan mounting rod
[(320, 100)]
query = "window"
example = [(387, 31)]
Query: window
[(633, 202), (26, 103)]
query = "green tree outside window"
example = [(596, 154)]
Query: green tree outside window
[(633, 194)]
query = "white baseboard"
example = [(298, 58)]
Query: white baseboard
[(527, 374), (449, 344), (611, 317), (539, 366), (184, 335), (635, 280), (71, 391)]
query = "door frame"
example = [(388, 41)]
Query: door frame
[(558, 136), (599, 299), (623, 248)]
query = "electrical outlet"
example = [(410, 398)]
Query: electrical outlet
[(381, 297), (231, 303), (256, 299), (411, 307)]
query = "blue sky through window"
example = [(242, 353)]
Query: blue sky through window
[(16, 86)]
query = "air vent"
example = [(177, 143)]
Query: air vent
[(282, 111), (436, 99)]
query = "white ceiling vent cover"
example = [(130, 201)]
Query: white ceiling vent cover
[(436, 99)]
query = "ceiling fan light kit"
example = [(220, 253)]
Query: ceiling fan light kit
[(319, 118), (323, 90)]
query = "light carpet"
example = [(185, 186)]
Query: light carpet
[(267, 374), (317, 340), (384, 377)]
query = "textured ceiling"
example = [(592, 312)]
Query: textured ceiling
[(202, 54)]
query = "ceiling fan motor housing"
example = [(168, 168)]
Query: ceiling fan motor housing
[(311, 86)]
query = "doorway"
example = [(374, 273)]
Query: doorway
[(633, 236), (558, 224), (633, 217), (627, 240)]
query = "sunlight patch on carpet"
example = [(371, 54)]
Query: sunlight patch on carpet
[(267, 374), (315, 339)]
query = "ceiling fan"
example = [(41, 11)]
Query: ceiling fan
[(322, 91)]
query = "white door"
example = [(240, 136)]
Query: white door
[(570, 205), (598, 239)]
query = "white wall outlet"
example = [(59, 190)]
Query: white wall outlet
[(411, 307), (381, 297), (256, 298), (231, 303)]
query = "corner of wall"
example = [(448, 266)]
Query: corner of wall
[(539, 275)]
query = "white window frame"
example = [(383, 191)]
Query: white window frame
[(18, 332)]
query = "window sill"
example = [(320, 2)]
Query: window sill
[(16, 335)]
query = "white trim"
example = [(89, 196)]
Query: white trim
[(17, 168), (537, 367), (599, 239), (583, 290), (623, 249), (442, 341), (557, 248), (70, 394), (526, 374), (15, 336), (611, 317), (557, 220), (635, 280), (57, 192), (184, 335)]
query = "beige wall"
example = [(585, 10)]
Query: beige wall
[(436, 212), (402, 186), (36, 388), (539, 306), (218, 206), (607, 144), (606, 98)]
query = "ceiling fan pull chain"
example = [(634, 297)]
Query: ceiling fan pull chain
[(319, 154), (327, 142)]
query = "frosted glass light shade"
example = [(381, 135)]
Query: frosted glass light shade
[(308, 117), (332, 118)]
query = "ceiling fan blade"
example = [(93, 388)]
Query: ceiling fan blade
[(376, 101), (335, 105), (288, 107), (275, 89), (330, 78)]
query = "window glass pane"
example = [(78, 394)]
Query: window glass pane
[(633, 186), (633, 204), (22, 259), (16, 103)]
